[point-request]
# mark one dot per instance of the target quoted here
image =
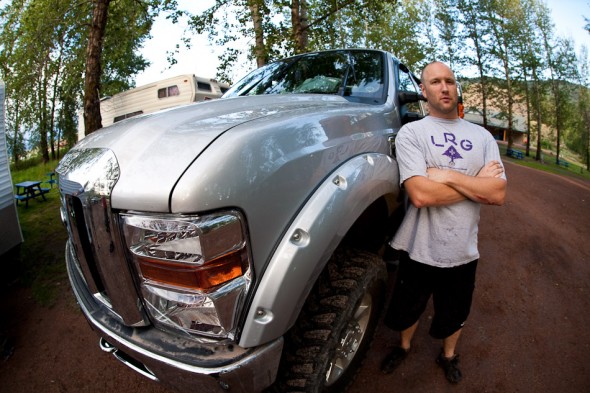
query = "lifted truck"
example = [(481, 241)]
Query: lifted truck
[(233, 245)]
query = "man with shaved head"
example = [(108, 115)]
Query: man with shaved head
[(448, 168)]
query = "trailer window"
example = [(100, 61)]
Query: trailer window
[(168, 91), (204, 86), (126, 116)]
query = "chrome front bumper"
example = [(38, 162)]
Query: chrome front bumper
[(180, 363)]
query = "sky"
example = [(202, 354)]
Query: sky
[(568, 16), (201, 59)]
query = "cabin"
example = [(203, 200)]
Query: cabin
[(497, 125)]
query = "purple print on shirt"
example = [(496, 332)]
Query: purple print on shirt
[(452, 153)]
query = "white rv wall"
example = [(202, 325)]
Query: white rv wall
[(144, 99), (10, 232)]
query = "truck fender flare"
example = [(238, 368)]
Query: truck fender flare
[(311, 239)]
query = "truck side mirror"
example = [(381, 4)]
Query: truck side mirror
[(407, 97), (407, 112)]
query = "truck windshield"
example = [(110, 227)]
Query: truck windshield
[(356, 75)]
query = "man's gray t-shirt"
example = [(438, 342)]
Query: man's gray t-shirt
[(443, 236)]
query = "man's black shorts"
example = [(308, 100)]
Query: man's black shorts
[(451, 290)]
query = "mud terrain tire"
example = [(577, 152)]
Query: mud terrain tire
[(329, 341)]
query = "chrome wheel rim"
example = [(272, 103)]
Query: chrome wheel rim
[(350, 340)]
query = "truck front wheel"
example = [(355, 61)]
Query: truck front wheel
[(328, 343)]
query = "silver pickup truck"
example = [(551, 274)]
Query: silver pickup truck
[(236, 244)]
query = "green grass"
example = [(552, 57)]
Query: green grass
[(548, 164), (38, 263)]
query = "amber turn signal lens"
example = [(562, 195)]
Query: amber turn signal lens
[(199, 277)]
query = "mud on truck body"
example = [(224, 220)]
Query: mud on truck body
[(233, 245)]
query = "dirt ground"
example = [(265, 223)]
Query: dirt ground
[(528, 330)]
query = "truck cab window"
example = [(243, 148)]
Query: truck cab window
[(356, 75)]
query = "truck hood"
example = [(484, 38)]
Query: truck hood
[(153, 151)]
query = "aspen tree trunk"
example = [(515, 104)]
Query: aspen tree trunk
[(300, 25), (92, 118), (259, 50), (538, 112)]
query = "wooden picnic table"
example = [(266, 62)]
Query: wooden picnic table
[(29, 189)]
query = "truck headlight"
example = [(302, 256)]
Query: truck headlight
[(194, 270)]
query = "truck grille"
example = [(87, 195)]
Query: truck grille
[(79, 233), (86, 179)]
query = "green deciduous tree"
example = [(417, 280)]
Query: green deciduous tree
[(447, 22), (282, 28), (228, 23), (529, 57), (582, 139), (504, 17), (116, 31), (36, 43), (49, 48), (98, 25), (476, 30), (560, 60), (399, 31)]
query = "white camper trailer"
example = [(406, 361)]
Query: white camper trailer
[(167, 93), (10, 231)]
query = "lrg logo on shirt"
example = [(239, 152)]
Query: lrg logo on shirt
[(452, 152)]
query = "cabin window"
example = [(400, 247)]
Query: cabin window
[(168, 91), (204, 86)]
